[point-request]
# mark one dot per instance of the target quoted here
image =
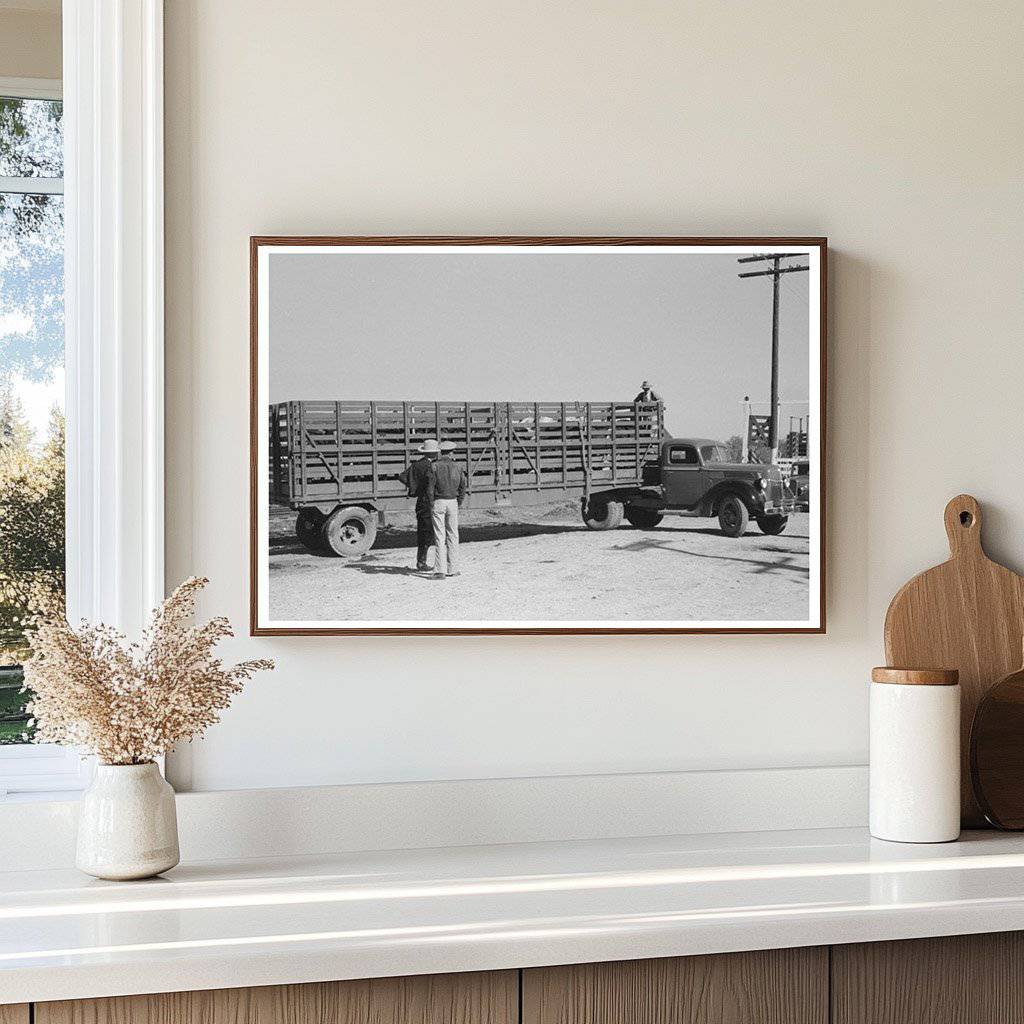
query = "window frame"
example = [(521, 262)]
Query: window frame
[(112, 91), (31, 88), (672, 449), (705, 461)]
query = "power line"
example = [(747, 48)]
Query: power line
[(775, 273)]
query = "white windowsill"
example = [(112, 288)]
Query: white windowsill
[(41, 771)]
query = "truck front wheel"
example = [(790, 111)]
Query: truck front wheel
[(643, 518), (309, 526), (772, 525), (350, 532), (600, 514), (733, 516)]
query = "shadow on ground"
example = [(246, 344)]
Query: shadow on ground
[(399, 537), (283, 540), (783, 564)]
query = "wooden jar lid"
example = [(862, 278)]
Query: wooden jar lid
[(916, 676)]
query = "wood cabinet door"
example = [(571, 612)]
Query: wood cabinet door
[(14, 1013), (777, 986), (478, 998), (962, 979)]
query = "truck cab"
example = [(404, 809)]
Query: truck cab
[(695, 476)]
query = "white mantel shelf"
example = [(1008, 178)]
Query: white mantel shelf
[(224, 924)]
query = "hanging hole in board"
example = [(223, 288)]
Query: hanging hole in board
[(966, 518)]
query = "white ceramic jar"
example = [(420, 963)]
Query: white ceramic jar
[(915, 755), (127, 824)]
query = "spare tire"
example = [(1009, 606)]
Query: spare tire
[(772, 525), (600, 514), (309, 525), (349, 532), (643, 518)]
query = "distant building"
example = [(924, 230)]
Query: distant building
[(794, 445)]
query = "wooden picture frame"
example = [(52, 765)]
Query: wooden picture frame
[(770, 256)]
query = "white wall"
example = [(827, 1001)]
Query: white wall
[(895, 129)]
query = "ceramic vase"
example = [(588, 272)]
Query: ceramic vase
[(127, 826)]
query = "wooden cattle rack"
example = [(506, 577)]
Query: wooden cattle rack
[(325, 454)]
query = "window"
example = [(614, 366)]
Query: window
[(31, 404), (716, 453), (111, 160), (683, 455)]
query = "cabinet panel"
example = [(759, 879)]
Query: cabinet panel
[(778, 986), (962, 979), (478, 998), (14, 1013)]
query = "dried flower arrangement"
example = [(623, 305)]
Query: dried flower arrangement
[(129, 703)]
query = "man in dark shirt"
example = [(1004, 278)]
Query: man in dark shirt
[(647, 395), (446, 488), (416, 478)]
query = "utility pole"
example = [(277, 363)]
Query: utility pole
[(776, 272), (745, 455)]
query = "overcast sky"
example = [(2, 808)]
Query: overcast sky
[(536, 327)]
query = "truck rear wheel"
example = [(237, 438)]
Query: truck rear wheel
[(349, 532), (600, 514), (733, 516), (643, 518), (309, 526), (772, 525)]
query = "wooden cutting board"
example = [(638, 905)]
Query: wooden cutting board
[(967, 614)]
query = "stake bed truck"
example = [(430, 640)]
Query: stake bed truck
[(337, 465)]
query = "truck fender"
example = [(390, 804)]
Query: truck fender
[(622, 494), (325, 508), (370, 507), (747, 493)]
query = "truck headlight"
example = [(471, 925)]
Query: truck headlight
[(760, 483)]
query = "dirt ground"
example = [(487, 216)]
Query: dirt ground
[(543, 563)]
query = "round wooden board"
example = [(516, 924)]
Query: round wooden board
[(997, 753)]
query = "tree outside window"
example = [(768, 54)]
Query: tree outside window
[(31, 385)]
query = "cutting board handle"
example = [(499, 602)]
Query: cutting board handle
[(963, 527)]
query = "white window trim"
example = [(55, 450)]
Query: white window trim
[(32, 186), (114, 324), (31, 88), (113, 171)]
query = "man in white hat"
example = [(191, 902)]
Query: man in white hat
[(446, 487), (416, 477)]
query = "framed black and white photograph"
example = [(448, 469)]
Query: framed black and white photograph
[(537, 435)]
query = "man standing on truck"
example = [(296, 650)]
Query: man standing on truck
[(416, 477), (446, 487), (647, 395)]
